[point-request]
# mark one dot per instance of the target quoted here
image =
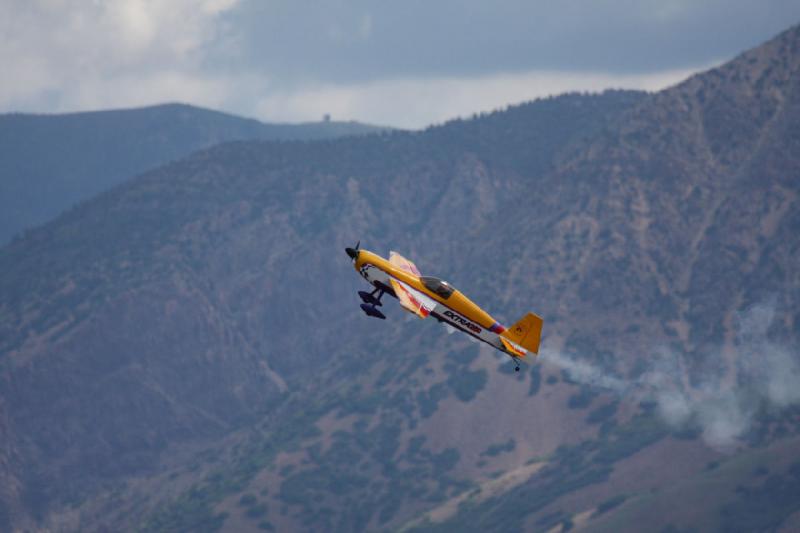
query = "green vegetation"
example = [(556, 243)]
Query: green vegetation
[(466, 384), (765, 506), (610, 503), (582, 399), (536, 380), (497, 449), (428, 401), (463, 358), (603, 413), (247, 500), (446, 460), (193, 510), (364, 471), (550, 520), (256, 511), (463, 382), (5, 517), (571, 468), (624, 440), (382, 487), (671, 528)]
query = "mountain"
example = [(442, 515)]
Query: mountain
[(185, 351), (48, 163)]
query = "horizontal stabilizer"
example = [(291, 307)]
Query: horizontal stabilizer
[(516, 351)]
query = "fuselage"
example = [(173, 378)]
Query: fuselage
[(452, 307)]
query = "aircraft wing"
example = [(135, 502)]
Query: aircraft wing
[(402, 263), (412, 300)]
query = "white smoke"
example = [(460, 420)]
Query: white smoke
[(720, 401), (585, 373)]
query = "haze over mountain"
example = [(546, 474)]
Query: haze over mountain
[(48, 163), (185, 351)]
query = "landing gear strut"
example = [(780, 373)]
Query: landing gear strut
[(369, 297)]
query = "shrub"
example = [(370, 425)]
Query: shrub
[(497, 449), (466, 384), (536, 380), (247, 500), (257, 511), (610, 504)]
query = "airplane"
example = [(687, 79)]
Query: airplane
[(429, 296)]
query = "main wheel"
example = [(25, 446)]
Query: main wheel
[(370, 310)]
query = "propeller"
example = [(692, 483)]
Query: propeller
[(353, 252)]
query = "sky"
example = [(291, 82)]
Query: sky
[(406, 63)]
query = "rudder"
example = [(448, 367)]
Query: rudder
[(527, 332)]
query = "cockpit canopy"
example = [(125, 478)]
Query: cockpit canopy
[(437, 286)]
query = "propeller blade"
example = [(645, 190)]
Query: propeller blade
[(353, 252)]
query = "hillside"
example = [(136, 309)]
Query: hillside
[(49, 163), (185, 352)]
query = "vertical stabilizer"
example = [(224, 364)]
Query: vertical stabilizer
[(527, 332)]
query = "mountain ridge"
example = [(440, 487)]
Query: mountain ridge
[(49, 162)]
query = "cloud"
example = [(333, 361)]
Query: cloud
[(57, 51), (405, 64), (757, 374), (302, 41), (138, 53)]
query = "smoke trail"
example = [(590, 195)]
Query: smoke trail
[(721, 403), (585, 373)]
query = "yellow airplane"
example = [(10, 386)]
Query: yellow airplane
[(428, 296)]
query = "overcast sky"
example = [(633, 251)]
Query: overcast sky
[(405, 63)]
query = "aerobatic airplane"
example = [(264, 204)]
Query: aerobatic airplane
[(428, 296)]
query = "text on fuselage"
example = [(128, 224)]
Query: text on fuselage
[(466, 323)]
